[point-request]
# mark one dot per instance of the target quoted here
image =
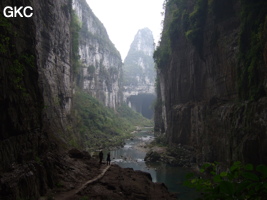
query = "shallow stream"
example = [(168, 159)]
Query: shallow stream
[(131, 156)]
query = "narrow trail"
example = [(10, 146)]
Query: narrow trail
[(71, 193)]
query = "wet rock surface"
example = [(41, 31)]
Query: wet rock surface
[(119, 183), (182, 156), (58, 176)]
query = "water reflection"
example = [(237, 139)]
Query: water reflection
[(132, 156)]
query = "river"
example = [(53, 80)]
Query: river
[(130, 156)]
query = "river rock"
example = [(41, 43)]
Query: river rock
[(180, 155), (152, 156)]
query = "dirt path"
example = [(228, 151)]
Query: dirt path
[(71, 193)]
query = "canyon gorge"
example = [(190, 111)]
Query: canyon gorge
[(63, 85)]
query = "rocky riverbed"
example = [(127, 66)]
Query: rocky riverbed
[(117, 183), (182, 156), (125, 183), (67, 172)]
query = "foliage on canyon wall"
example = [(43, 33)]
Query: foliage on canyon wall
[(98, 119), (251, 45), (192, 20), (201, 78), (75, 28), (100, 126), (20, 62), (18, 66), (252, 37), (100, 69)]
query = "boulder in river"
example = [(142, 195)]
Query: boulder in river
[(152, 156)]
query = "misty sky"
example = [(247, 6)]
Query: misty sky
[(123, 18)]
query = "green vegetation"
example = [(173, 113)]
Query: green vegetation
[(160, 141), (100, 36), (59, 185), (100, 126), (181, 18), (241, 182), (178, 12), (91, 69), (132, 118), (251, 47), (75, 27), (103, 40), (95, 125), (5, 27), (17, 70), (38, 160), (162, 53), (18, 63), (133, 69), (196, 24)]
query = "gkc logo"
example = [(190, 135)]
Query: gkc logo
[(21, 11)]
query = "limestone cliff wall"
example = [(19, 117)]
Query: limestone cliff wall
[(101, 65), (36, 92), (53, 50), (139, 74), (37, 88), (138, 69), (207, 96)]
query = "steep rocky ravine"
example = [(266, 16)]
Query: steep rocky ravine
[(211, 84), (37, 81)]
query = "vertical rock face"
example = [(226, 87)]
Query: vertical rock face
[(202, 76), (37, 90), (35, 95), (53, 48), (100, 61), (139, 73)]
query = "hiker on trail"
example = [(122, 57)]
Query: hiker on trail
[(100, 157), (108, 158)]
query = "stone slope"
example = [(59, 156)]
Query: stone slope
[(119, 183)]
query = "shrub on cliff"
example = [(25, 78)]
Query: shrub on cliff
[(238, 182), (100, 126), (75, 28)]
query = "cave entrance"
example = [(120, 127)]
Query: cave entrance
[(142, 103)]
